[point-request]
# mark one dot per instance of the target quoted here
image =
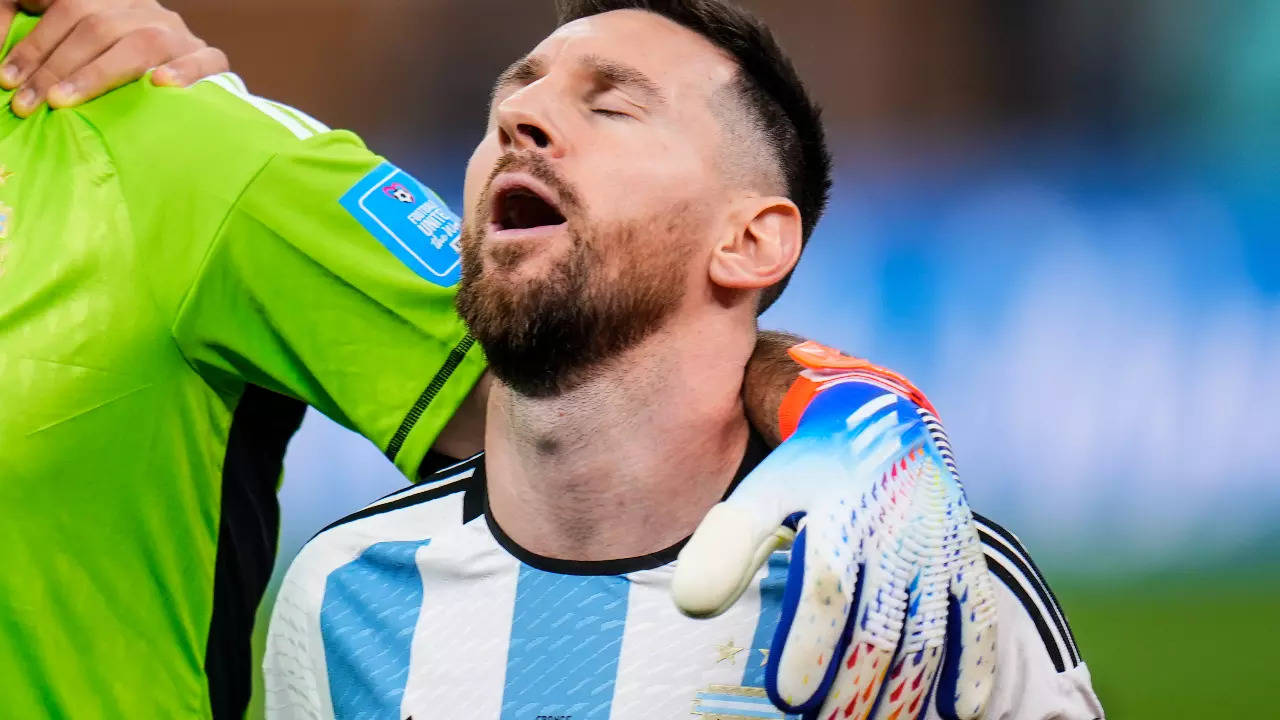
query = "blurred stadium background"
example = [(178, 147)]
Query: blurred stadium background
[(1059, 218)]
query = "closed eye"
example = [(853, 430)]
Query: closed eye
[(610, 113)]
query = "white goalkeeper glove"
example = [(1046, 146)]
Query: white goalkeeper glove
[(888, 590)]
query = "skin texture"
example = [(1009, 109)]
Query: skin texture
[(603, 467), (84, 48), (769, 373)]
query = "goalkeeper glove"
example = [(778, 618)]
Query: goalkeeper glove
[(888, 588)]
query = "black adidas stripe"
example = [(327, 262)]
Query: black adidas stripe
[(1032, 572), (445, 473), (434, 493), (1020, 592)]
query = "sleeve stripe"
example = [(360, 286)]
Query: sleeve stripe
[(313, 124), (232, 84), (1011, 563), (997, 566), (1015, 544), (1015, 558)]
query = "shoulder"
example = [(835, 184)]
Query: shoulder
[(437, 494), (1030, 607), (207, 107), (1039, 671), (412, 515), (210, 134)]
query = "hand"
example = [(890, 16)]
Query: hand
[(888, 586), (84, 48)]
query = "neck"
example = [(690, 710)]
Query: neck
[(627, 463)]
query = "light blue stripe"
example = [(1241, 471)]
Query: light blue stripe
[(566, 639), (367, 620), (770, 613)]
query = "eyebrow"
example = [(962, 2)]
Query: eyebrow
[(609, 72), (528, 69), (521, 72)]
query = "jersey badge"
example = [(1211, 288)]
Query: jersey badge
[(410, 221), (6, 213), (399, 192), (735, 702), (5, 174)]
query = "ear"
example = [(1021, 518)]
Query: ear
[(762, 248)]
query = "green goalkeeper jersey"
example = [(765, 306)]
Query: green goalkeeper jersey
[(179, 271)]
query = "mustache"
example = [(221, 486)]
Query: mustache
[(540, 168)]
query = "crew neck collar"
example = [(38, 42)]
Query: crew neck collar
[(756, 451)]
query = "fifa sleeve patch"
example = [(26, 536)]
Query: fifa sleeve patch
[(410, 220)]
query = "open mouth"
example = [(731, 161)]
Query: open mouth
[(518, 206)]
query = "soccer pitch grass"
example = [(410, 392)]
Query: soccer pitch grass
[(1202, 644)]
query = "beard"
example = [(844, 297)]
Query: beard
[(616, 286)]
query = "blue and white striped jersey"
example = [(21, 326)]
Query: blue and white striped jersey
[(419, 606)]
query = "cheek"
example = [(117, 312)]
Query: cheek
[(478, 169), (663, 170)]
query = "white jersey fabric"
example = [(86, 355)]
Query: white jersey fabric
[(419, 606)]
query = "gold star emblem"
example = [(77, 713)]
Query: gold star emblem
[(5, 174), (728, 651), (764, 656)]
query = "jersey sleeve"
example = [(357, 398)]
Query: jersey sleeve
[(1039, 672), (302, 261), (299, 296)]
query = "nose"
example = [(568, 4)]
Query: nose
[(526, 122)]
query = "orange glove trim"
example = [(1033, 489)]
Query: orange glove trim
[(830, 366)]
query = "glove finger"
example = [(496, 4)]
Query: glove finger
[(817, 609), (968, 672), (891, 576), (737, 536), (861, 670), (915, 665)]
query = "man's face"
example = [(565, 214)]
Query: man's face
[(595, 196)]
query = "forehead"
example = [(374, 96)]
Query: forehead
[(673, 56)]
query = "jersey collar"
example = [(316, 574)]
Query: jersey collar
[(476, 503)]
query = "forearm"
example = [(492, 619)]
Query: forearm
[(770, 373)]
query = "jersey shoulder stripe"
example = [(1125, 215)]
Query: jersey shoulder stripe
[(1008, 560), (447, 482), (295, 121), (453, 471)]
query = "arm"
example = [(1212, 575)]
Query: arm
[(284, 262)]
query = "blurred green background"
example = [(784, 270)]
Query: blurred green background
[(1059, 218)]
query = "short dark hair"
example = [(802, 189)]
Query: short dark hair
[(768, 86)]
